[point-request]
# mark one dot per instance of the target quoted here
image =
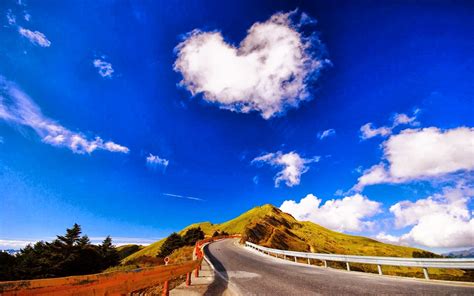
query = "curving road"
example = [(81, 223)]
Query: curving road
[(247, 272)]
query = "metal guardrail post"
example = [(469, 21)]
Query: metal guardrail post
[(379, 267), (325, 263), (295, 259), (309, 262), (348, 266), (425, 272)]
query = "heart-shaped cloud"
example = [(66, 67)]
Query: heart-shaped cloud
[(268, 72)]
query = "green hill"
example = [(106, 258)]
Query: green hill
[(269, 226)]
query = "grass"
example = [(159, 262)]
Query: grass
[(150, 250)]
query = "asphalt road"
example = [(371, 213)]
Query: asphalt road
[(247, 272)]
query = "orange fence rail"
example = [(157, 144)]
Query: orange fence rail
[(110, 283)]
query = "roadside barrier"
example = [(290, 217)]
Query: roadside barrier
[(424, 263), (110, 283)]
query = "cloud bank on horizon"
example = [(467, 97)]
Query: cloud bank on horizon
[(268, 72)]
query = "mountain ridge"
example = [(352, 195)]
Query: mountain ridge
[(269, 226)]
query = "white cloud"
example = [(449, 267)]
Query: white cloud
[(293, 166), (402, 118), (18, 108), (326, 133), (15, 244), (350, 213), (368, 130), (422, 154), (105, 68), (154, 161), (27, 16), (35, 37), (255, 180), (388, 238), (377, 174), (268, 72), (183, 196), (442, 220), (11, 18)]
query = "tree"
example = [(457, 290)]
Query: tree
[(72, 235), (7, 266), (215, 234), (192, 235), (109, 253), (71, 254), (173, 242)]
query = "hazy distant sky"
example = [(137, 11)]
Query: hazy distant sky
[(137, 118)]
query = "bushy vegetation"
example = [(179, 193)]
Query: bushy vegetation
[(176, 241), (71, 254), (217, 233)]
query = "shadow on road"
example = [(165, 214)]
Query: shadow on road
[(219, 285)]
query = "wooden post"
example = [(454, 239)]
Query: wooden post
[(379, 267), (425, 272), (166, 284), (348, 266), (166, 289), (188, 279), (196, 271)]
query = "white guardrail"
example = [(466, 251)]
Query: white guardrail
[(425, 263)]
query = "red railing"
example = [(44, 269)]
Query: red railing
[(111, 283)]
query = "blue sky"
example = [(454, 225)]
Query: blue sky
[(118, 116)]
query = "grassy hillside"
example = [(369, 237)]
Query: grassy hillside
[(150, 250), (127, 250), (234, 226), (269, 226)]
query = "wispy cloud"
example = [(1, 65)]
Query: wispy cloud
[(326, 133), (182, 196), (154, 162), (35, 37), (105, 68), (368, 130), (18, 108), (11, 18)]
